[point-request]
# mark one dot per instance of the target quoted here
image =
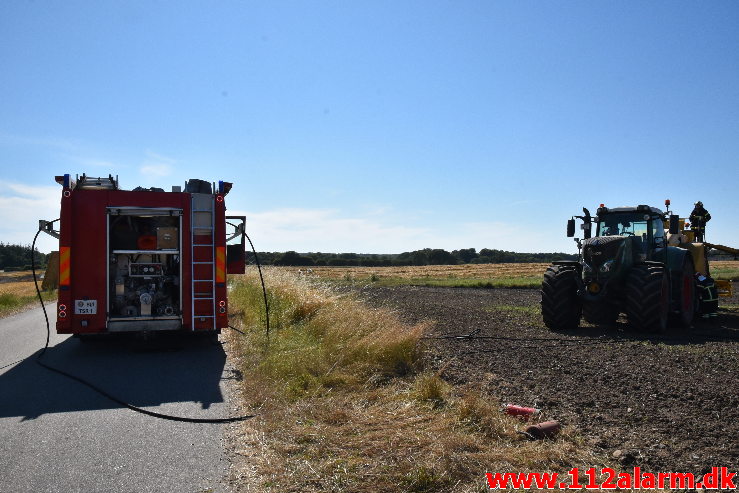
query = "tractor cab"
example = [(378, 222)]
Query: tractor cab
[(623, 237), (642, 224)]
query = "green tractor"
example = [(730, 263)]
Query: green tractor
[(626, 267)]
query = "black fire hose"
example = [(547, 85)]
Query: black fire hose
[(264, 289), (120, 402)]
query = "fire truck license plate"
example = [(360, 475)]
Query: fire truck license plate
[(85, 307)]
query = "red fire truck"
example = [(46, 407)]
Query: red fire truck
[(145, 259)]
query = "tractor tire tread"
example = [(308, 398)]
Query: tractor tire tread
[(560, 306), (644, 298)]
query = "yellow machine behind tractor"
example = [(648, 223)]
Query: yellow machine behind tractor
[(685, 238)]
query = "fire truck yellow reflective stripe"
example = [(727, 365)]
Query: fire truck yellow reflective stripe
[(220, 264), (64, 265)]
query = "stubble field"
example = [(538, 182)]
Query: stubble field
[(17, 292), (664, 402), (467, 275), (465, 271)]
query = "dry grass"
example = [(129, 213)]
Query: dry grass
[(23, 288), (320, 339), (523, 275), (344, 403), (430, 388), (382, 440), (15, 276), (15, 296), (471, 275)]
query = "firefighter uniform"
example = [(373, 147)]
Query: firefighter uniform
[(698, 219), (708, 296)]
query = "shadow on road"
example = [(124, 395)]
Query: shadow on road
[(142, 373)]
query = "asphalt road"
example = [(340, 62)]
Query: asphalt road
[(57, 435)]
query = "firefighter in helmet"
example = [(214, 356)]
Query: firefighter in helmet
[(708, 295), (698, 218)]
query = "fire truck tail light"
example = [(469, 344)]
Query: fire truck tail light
[(62, 314), (62, 307), (222, 309), (222, 303)]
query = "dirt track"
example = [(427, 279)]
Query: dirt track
[(666, 403)]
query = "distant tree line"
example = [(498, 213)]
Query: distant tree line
[(18, 257), (427, 256)]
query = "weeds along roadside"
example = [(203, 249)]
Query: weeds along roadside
[(320, 339), (346, 405), (17, 296)]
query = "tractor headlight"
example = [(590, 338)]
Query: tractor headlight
[(606, 267)]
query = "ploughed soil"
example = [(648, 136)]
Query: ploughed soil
[(666, 403)]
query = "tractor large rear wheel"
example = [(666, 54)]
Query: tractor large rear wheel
[(648, 298), (560, 306), (685, 291)]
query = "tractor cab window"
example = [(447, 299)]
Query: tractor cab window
[(625, 224), (658, 231)]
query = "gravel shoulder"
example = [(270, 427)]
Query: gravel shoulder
[(665, 403)]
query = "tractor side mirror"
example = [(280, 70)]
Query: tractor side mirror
[(674, 224), (570, 228)]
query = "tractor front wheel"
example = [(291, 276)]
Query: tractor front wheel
[(648, 298), (560, 306)]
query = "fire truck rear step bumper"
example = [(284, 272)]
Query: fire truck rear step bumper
[(141, 324)]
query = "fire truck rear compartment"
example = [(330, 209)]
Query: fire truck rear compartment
[(144, 272)]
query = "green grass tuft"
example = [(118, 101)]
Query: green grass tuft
[(422, 479), (430, 388), (480, 416), (10, 302), (725, 273)]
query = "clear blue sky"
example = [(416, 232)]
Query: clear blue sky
[(377, 126)]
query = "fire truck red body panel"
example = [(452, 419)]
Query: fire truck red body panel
[(142, 260)]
